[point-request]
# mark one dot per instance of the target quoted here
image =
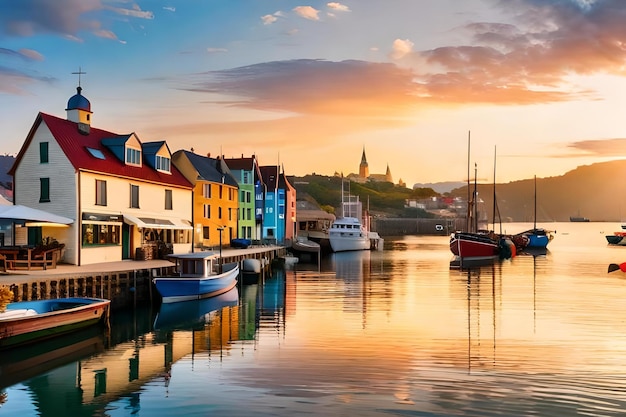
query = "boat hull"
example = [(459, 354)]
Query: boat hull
[(305, 246), (349, 243), (473, 246), (616, 239), (178, 288), (538, 238), (50, 318)]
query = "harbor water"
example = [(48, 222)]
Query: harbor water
[(381, 333)]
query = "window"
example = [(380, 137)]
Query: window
[(44, 190), (96, 153), (248, 214), (43, 152), (243, 196), (134, 196), (101, 193), (133, 156), (207, 211), (246, 177), (162, 163), (168, 199), (248, 193), (205, 232), (219, 212), (230, 214), (220, 192), (101, 234), (206, 190)]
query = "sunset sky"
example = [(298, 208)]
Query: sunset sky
[(309, 84)]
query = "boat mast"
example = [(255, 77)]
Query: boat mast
[(535, 215), (475, 205), (468, 215), (494, 189)]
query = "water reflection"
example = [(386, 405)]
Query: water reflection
[(369, 334)]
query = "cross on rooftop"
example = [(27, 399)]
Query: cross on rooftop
[(80, 71)]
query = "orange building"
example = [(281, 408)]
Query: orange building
[(215, 198)]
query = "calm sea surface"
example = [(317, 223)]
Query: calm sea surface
[(390, 333)]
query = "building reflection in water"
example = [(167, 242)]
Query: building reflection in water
[(89, 371)]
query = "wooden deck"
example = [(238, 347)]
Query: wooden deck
[(121, 282)]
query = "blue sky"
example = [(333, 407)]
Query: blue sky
[(309, 84)]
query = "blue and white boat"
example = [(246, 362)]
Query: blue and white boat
[(198, 275), (537, 237)]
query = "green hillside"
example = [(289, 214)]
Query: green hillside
[(383, 198)]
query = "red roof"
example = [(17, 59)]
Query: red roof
[(74, 145)]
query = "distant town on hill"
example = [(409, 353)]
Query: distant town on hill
[(595, 191)]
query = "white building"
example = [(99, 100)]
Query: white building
[(122, 194)]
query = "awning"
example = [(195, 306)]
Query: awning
[(35, 216), (154, 223)]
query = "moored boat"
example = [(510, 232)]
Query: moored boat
[(537, 237), (616, 238), (305, 245), (470, 246), (31, 321), (198, 275), (348, 234)]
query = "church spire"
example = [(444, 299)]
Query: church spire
[(364, 171)]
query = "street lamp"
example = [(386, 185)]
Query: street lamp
[(220, 229)]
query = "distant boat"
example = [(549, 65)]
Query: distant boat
[(347, 233), (537, 238), (578, 219), (198, 275), (32, 321), (616, 238)]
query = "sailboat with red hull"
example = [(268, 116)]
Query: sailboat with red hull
[(474, 245)]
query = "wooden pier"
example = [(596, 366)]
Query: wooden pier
[(125, 283)]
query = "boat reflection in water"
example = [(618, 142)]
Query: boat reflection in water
[(21, 363), (193, 314)]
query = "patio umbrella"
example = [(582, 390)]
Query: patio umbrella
[(29, 214)]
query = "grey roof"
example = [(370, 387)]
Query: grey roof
[(211, 169)]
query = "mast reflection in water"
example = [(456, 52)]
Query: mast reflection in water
[(365, 333)]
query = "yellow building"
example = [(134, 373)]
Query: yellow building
[(215, 198)]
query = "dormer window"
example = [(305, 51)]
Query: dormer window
[(162, 164), (133, 156)]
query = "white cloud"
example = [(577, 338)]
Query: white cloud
[(135, 12), (307, 12), (169, 8), (216, 50), (268, 19), (401, 47), (338, 7)]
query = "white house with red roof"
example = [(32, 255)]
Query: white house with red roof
[(126, 197)]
